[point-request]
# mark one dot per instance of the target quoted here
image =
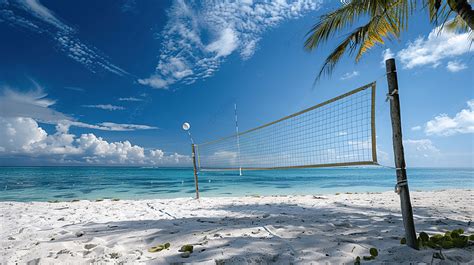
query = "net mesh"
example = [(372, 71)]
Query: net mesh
[(338, 132)]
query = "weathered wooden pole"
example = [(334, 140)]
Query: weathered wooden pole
[(402, 184), (195, 171)]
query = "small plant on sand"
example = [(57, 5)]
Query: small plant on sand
[(403, 241), (373, 253)]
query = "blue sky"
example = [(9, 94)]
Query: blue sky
[(111, 82)]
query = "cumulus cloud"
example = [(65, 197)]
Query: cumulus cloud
[(35, 104), (461, 123), (455, 66), (349, 75), (104, 107), (386, 54), (34, 16), (24, 136), (200, 35), (439, 45)]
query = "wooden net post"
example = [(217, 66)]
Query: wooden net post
[(195, 171), (402, 184)]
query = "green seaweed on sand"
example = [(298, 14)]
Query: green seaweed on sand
[(424, 237), (403, 241), (436, 238), (450, 239), (368, 257), (454, 234), (187, 248), (374, 252), (159, 247)]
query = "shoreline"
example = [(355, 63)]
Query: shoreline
[(323, 228), (228, 195)]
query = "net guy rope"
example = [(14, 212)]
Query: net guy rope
[(337, 132)]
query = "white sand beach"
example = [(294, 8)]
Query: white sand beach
[(322, 229)]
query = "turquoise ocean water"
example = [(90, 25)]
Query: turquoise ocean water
[(67, 183)]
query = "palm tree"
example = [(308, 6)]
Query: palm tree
[(387, 18)]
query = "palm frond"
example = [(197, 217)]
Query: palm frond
[(457, 25), (386, 19), (335, 21)]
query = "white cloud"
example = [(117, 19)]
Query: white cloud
[(35, 104), (104, 107), (73, 88), (130, 99), (34, 16), (416, 128), (32, 104), (200, 35), (226, 43), (456, 66), (461, 123), (366, 144), (349, 75), (421, 148), (125, 127), (386, 54), (24, 136), (129, 6), (439, 45)]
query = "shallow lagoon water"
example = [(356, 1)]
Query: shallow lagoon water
[(68, 183)]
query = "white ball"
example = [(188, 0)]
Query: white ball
[(186, 126)]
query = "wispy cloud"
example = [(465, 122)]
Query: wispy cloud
[(34, 16), (130, 99), (129, 6), (73, 88), (455, 66), (421, 148), (107, 126), (461, 123), (125, 127), (199, 36), (104, 107), (349, 75), (36, 105), (439, 45)]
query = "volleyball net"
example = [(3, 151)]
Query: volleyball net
[(337, 132)]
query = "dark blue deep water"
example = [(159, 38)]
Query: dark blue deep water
[(67, 183)]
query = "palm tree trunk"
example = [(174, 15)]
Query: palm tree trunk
[(464, 10)]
